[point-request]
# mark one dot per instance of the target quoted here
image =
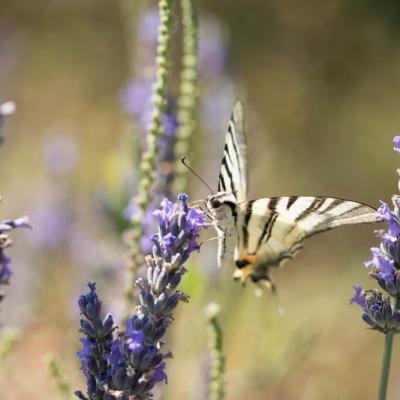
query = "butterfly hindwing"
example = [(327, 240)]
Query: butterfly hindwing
[(271, 231)]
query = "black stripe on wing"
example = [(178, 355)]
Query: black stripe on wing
[(233, 135), (314, 206), (267, 230), (227, 176), (221, 183), (246, 222), (233, 167), (291, 201)]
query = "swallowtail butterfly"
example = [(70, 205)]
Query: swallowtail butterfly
[(264, 233)]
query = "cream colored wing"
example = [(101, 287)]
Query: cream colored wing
[(233, 173), (271, 231)]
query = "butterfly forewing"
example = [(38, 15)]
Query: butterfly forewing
[(232, 184), (233, 173)]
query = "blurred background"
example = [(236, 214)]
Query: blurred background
[(321, 87)]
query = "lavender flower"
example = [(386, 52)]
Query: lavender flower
[(382, 312), (5, 241), (377, 310), (96, 346), (129, 365), (385, 262)]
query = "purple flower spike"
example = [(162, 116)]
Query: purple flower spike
[(180, 226), (131, 363), (377, 310)]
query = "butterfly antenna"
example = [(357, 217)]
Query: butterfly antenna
[(183, 160)]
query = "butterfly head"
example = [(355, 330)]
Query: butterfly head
[(217, 201)]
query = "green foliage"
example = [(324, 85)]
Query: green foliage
[(9, 337), (63, 386)]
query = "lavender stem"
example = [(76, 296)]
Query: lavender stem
[(189, 88), (148, 161), (386, 361)]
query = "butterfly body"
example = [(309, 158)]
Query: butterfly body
[(222, 207), (257, 235)]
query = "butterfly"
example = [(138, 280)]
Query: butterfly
[(264, 233)]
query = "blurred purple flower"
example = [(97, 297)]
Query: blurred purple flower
[(52, 225), (216, 101), (60, 154), (212, 48), (396, 141), (147, 30), (5, 227), (5, 271), (171, 125), (136, 100)]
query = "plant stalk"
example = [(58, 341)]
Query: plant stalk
[(386, 360), (188, 90), (155, 130)]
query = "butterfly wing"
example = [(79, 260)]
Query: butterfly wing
[(232, 184), (271, 231), (233, 172)]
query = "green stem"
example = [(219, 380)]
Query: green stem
[(387, 356), (215, 344), (155, 130), (386, 360), (188, 90)]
